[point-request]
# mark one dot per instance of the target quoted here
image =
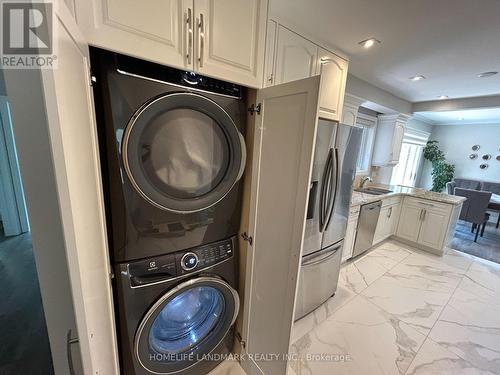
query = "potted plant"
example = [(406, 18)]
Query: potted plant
[(442, 172)]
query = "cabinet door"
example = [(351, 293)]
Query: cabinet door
[(383, 224), (434, 226), (397, 142), (409, 222), (282, 159), (230, 39), (156, 31), (296, 57), (271, 34), (394, 219), (333, 70), (350, 236), (73, 144)]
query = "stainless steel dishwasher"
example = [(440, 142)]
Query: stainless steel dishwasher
[(367, 223)]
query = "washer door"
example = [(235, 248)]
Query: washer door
[(182, 152), (186, 323)]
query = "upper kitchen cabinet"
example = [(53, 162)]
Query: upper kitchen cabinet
[(389, 138), (230, 39), (160, 31), (296, 57), (333, 70), (224, 38), (271, 35)]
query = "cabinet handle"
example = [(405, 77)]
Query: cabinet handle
[(189, 34), (390, 212), (70, 341), (420, 215), (270, 79), (201, 37), (425, 212)]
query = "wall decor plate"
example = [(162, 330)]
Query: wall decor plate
[(473, 156), (486, 157), (483, 166), (476, 147), (498, 157)]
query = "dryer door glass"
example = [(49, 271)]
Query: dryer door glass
[(186, 324), (182, 152)]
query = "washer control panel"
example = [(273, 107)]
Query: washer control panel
[(177, 264)]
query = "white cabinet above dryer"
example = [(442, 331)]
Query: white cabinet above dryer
[(224, 39), (388, 140)]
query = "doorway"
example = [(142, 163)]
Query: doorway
[(25, 345)]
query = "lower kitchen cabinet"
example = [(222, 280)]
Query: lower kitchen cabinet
[(387, 221), (424, 222), (350, 235)]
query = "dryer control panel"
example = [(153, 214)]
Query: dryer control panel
[(167, 267)]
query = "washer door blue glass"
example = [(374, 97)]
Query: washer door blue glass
[(185, 324), (186, 320)]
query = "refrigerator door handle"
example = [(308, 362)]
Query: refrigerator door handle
[(324, 186), (332, 201), (320, 258)]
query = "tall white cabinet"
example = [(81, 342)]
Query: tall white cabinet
[(223, 38)]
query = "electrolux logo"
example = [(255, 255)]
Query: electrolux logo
[(27, 35)]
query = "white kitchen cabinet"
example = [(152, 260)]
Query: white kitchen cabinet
[(350, 234), (350, 110), (434, 227), (388, 139), (296, 57), (224, 38), (409, 221), (333, 70), (230, 39), (156, 30), (424, 222), (388, 220)]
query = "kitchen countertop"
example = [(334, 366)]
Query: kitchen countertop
[(359, 198)]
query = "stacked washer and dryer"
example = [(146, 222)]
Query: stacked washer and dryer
[(172, 155)]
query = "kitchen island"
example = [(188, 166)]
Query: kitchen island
[(417, 217)]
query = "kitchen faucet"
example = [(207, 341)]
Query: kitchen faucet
[(363, 181)]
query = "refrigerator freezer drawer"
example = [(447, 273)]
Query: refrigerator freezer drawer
[(319, 275)]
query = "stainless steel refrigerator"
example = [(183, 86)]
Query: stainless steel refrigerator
[(334, 169)]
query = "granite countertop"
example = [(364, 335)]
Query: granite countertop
[(359, 198)]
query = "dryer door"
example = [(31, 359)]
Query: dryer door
[(182, 152), (185, 324)]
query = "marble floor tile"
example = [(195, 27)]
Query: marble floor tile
[(470, 324), (414, 305), (308, 322), (388, 254), (434, 359), (358, 274), (359, 339), (228, 368)]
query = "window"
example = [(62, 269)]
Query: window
[(410, 160), (369, 124)]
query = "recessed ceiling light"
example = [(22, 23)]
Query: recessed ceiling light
[(370, 42), (486, 74), (443, 97), (418, 77)]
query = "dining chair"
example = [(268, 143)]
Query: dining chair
[(474, 208)]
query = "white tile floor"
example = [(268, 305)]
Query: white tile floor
[(401, 311)]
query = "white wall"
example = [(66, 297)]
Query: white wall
[(456, 142)]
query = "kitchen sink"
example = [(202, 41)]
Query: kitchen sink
[(373, 191)]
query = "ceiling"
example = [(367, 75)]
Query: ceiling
[(448, 41), (466, 117)]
